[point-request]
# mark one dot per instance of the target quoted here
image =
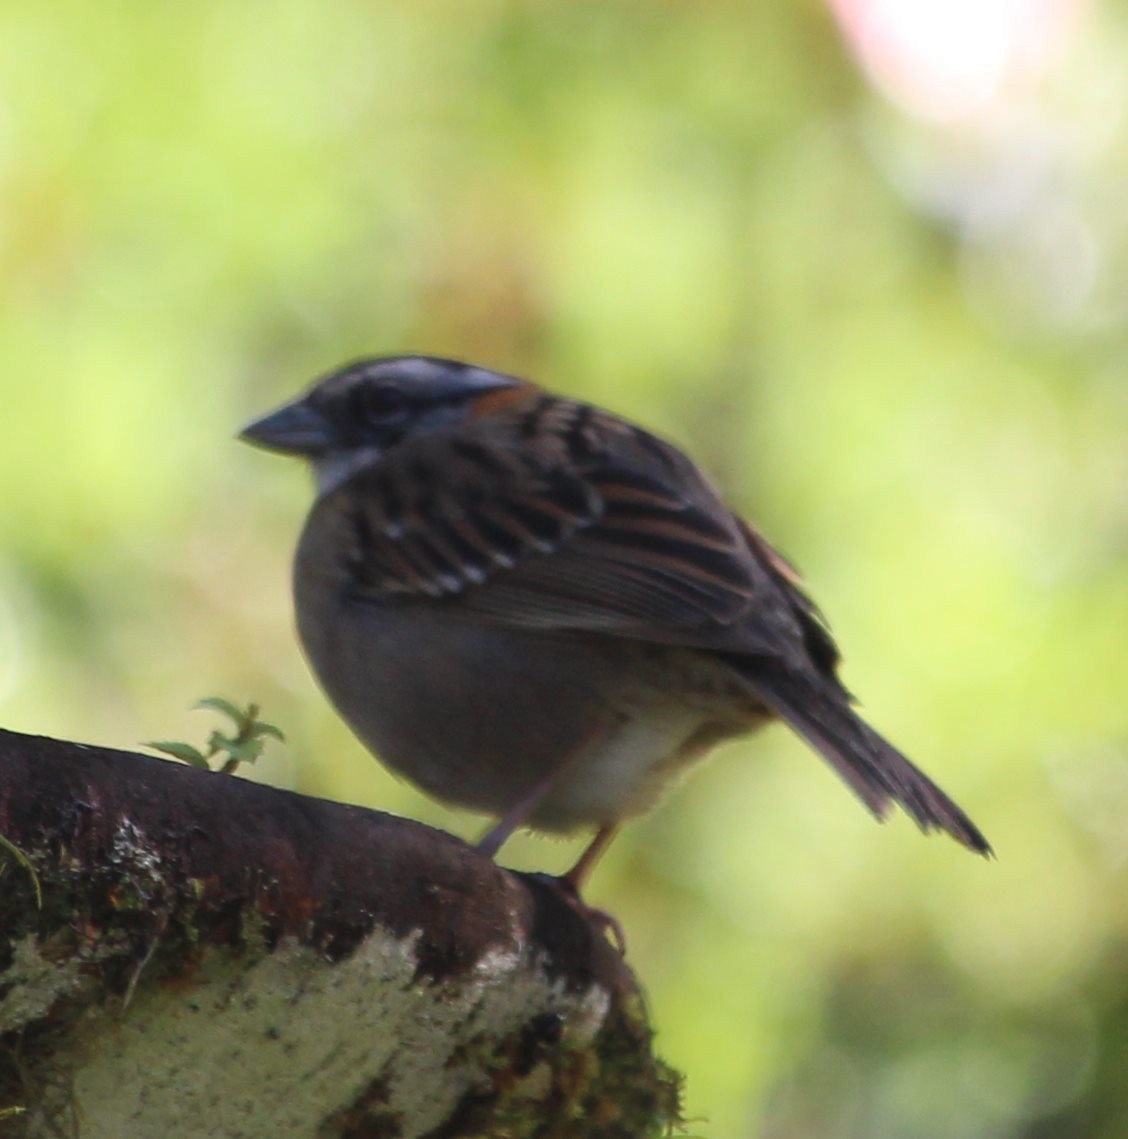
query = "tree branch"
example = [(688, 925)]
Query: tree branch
[(218, 958)]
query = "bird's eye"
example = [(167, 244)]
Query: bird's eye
[(380, 405)]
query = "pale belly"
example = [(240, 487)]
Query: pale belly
[(625, 773), (482, 717)]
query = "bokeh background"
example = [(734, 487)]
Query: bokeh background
[(867, 260)]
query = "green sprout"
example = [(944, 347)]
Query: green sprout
[(244, 746), (9, 847)]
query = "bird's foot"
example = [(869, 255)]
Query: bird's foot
[(605, 923)]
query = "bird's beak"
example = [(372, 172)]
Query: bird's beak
[(293, 429)]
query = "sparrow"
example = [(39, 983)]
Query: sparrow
[(534, 609)]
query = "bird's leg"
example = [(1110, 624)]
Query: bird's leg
[(516, 816), (577, 877), (569, 884), (495, 837)]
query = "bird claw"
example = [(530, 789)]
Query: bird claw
[(605, 923)]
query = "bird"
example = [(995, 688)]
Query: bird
[(534, 609)]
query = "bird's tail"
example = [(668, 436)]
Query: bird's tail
[(820, 712)]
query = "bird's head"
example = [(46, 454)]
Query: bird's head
[(351, 416)]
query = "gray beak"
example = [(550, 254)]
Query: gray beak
[(293, 429)]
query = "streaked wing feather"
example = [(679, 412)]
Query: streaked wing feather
[(618, 534), (414, 534)]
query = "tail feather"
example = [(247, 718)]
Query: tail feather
[(877, 772)]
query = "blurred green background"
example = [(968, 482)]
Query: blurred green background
[(883, 304)]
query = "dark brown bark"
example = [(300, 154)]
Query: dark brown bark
[(213, 957)]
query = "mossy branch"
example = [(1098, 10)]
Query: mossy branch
[(216, 957)]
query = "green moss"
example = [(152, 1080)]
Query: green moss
[(543, 1087)]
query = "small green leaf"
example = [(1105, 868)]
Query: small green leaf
[(218, 704), (240, 750), (261, 728), (182, 751), (245, 751)]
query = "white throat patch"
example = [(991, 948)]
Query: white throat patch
[(336, 467)]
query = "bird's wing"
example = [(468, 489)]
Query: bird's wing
[(608, 530)]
